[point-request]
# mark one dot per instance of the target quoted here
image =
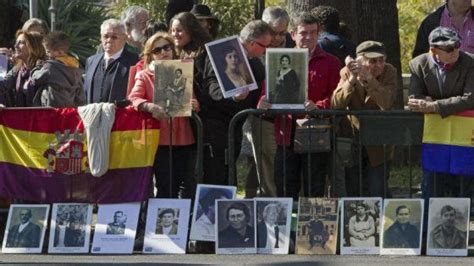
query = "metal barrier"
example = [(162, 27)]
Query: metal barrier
[(377, 127)]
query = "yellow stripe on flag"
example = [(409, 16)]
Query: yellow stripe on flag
[(128, 149), (452, 130)]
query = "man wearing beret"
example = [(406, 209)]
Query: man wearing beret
[(442, 81), (367, 83)]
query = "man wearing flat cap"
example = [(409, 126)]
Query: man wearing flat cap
[(367, 83), (442, 81)]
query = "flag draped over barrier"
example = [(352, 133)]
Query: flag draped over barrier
[(448, 143), (43, 157)]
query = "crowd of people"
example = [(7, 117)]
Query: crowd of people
[(341, 75)]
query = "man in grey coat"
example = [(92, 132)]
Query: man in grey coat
[(442, 81)]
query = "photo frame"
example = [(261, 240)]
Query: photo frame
[(360, 226), (448, 215), (232, 218), (70, 228), (116, 228), (286, 77), (3, 66), (402, 227), (231, 66), (317, 230), (203, 223), (166, 230), (273, 225), (25, 229), (173, 88)]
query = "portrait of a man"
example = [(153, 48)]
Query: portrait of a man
[(270, 233), (26, 234), (317, 233), (446, 235), (205, 223), (70, 230), (238, 233), (166, 224), (117, 227), (402, 234)]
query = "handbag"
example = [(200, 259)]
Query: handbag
[(312, 135)]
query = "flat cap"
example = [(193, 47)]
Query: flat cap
[(442, 36), (370, 49)]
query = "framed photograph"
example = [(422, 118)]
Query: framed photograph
[(174, 86), (25, 229), (402, 227), (286, 77), (317, 226), (231, 66), (204, 212), (166, 230), (273, 225), (360, 230), (70, 228), (116, 228), (448, 226), (3, 66), (235, 226)]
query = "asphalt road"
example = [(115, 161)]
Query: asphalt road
[(140, 259)]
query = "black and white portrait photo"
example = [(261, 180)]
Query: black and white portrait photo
[(116, 228), (203, 225), (361, 223), (231, 66), (273, 225), (448, 226), (70, 228), (286, 77), (173, 86), (402, 226), (167, 226), (25, 228), (317, 226), (236, 227)]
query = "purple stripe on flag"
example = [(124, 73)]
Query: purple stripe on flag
[(449, 159), (118, 185)]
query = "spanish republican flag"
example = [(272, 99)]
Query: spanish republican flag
[(448, 144), (43, 157)]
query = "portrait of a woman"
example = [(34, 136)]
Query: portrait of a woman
[(235, 74), (287, 85), (362, 228)]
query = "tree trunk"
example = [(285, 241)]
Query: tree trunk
[(368, 20)]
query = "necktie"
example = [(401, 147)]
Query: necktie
[(277, 236), (108, 61)]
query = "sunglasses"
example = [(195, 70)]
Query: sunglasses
[(449, 49), (158, 50)]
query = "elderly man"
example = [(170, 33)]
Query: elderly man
[(216, 111), (447, 235), (26, 234), (106, 74), (455, 14), (323, 76), (262, 136), (366, 83), (135, 19), (442, 81), (402, 234), (270, 234), (238, 234)]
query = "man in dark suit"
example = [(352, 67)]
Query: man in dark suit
[(166, 225), (118, 226), (26, 234), (446, 235), (106, 74), (442, 81), (269, 233), (402, 234)]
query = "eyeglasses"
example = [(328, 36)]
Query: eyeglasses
[(261, 45), (449, 49), (158, 50), (111, 36)]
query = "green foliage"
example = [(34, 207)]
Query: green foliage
[(410, 15), (155, 7)]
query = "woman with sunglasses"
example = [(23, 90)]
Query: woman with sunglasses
[(29, 54), (160, 47)]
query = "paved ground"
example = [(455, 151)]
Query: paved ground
[(139, 259)]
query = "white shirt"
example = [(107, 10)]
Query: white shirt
[(166, 230), (114, 56), (22, 227), (271, 238)]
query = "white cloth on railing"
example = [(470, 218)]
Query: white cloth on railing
[(98, 119)]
